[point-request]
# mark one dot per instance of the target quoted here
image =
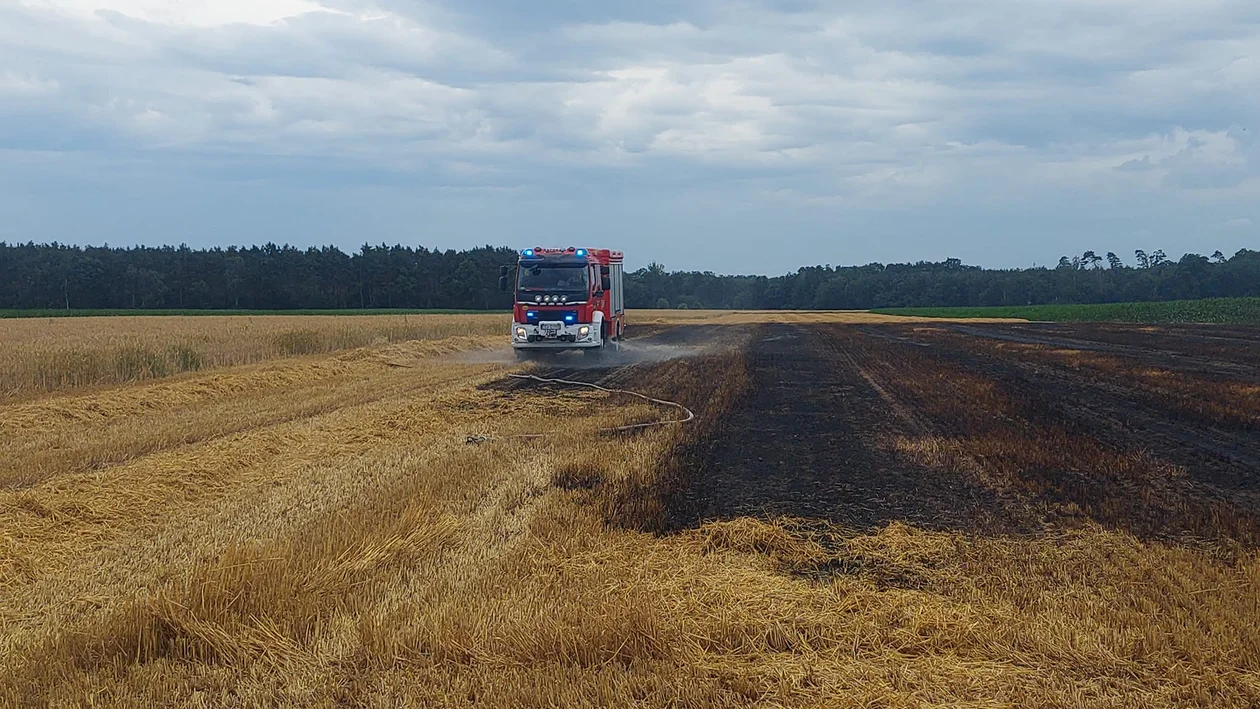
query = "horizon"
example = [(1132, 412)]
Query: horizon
[(1130, 261)]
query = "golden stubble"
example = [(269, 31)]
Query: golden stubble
[(40, 355), (335, 540)]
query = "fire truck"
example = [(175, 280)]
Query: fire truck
[(566, 299)]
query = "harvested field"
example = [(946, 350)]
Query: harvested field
[(863, 513), (41, 355)]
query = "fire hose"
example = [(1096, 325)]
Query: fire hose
[(688, 414)]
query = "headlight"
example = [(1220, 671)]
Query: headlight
[(584, 330), (538, 299), (520, 333)]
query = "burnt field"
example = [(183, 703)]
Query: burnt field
[(993, 429), (865, 511)]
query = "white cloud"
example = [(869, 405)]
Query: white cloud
[(195, 13), (974, 106), (26, 85)]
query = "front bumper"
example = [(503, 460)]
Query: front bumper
[(554, 336)]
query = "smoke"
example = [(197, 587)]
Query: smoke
[(635, 353)]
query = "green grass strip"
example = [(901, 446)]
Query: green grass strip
[(1236, 311)]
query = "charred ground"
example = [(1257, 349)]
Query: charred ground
[(992, 429)]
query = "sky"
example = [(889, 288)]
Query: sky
[(752, 136)]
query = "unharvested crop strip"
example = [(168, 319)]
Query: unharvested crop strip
[(41, 356)]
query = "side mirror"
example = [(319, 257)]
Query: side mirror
[(605, 283), (503, 271), (503, 283)]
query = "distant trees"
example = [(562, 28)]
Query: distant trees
[(1075, 279), (283, 277), (267, 277)]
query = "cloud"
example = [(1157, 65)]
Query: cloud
[(930, 125), (1137, 165), (13, 84), (195, 13)]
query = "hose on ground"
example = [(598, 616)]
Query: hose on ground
[(688, 414)]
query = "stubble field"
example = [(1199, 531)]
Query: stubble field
[(866, 511)]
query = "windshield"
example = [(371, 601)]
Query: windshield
[(554, 277)]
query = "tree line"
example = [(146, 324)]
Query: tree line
[(271, 277), (267, 277)]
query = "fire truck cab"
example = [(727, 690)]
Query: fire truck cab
[(566, 299)]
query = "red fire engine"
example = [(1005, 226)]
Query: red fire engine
[(566, 299)]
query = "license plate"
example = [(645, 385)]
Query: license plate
[(550, 329)]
